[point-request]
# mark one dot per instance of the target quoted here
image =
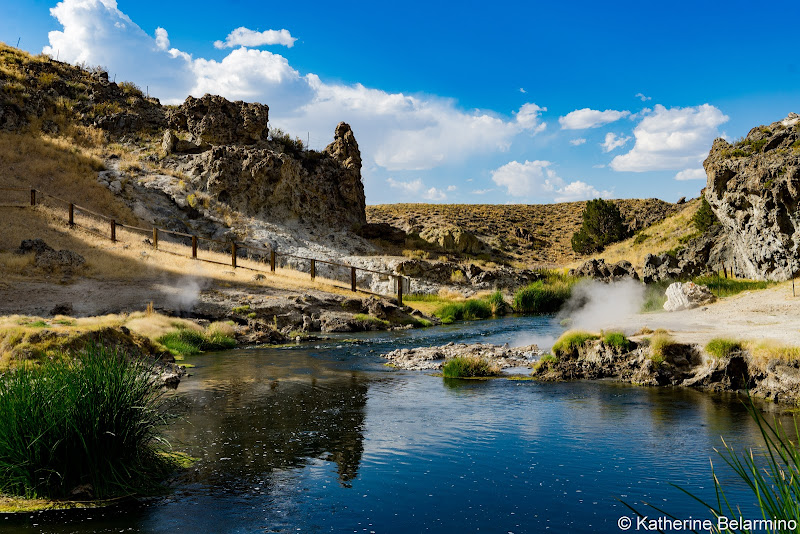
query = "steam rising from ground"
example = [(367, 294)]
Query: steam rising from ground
[(187, 293), (595, 305)]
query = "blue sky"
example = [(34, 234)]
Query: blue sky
[(505, 102)]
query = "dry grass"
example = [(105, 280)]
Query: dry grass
[(763, 351), (663, 236)]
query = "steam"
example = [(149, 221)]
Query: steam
[(598, 306), (186, 293)]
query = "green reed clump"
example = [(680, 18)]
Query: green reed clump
[(496, 302), (469, 310), (617, 340), (94, 420), (571, 340), (723, 347), (186, 342), (541, 297), (468, 367)]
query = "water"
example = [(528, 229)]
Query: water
[(325, 438)]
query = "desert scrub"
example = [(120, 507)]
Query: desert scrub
[(722, 348), (570, 341), (541, 297), (469, 310), (468, 367), (94, 419), (617, 340), (187, 341)]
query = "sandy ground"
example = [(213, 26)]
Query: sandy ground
[(769, 314)]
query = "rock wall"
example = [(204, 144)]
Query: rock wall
[(754, 189)]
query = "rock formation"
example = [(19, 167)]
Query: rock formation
[(754, 189), (600, 270), (686, 296)]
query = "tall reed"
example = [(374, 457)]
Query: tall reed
[(91, 421)]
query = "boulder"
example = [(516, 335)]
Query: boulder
[(217, 121), (599, 270), (688, 295), (453, 239)]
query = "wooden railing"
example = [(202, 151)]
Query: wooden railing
[(108, 227)]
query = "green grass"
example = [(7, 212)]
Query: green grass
[(570, 340), (92, 420), (659, 345), (617, 340), (186, 342), (654, 297), (496, 302), (469, 310), (421, 297), (545, 361), (541, 297), (722, 348), (371, 320), (241, 309), (468, 367), (726, 287)]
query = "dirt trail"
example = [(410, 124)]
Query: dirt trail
[(752, 315)]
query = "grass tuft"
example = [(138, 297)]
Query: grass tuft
[(186, 342), (541, 297), (722, 348), (468, 367), (469, 310), (617, 340), (90, 421), (570, 340)]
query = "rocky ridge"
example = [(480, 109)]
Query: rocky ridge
[(753, 188)]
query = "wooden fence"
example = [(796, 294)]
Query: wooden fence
[(189, 245)]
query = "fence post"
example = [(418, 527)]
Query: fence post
[(313, 269), (113, 230), (233, 254), (352, 278), (399, 290), (71, 215), (155, 238), (272, 261), (194, 247), (33, 197)]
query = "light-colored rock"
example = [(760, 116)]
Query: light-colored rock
[(432, 358), (687, 295)]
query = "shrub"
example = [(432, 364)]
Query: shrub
[(131, 89), (542, 298), (640, 238), (617, 340), (704, 217), (570, 341), (722, 348), (468, 367), (602, 225), (469, 310), (94, 420)]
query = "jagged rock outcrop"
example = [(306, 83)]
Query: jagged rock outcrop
[(428, 358), (215, 120), (754, 189), (453, 239), (598, 269)]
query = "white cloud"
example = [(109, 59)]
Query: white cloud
[(613, 141), (413, 187), (577, 142), (482, 191), (642, 97), (691, 174), (162, 39), (523, 91), (451, 188), (671, 139), (580, 191), (580, 119), (435, 194), (394, 130), (245, 37), (536, 179)]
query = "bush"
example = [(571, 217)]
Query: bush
[(468, 367), (131, 89), (541, 298), (469, 310), (704, 218), (602, 225), (617, 340), (722, 348), (94, 420), (570, 341)]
